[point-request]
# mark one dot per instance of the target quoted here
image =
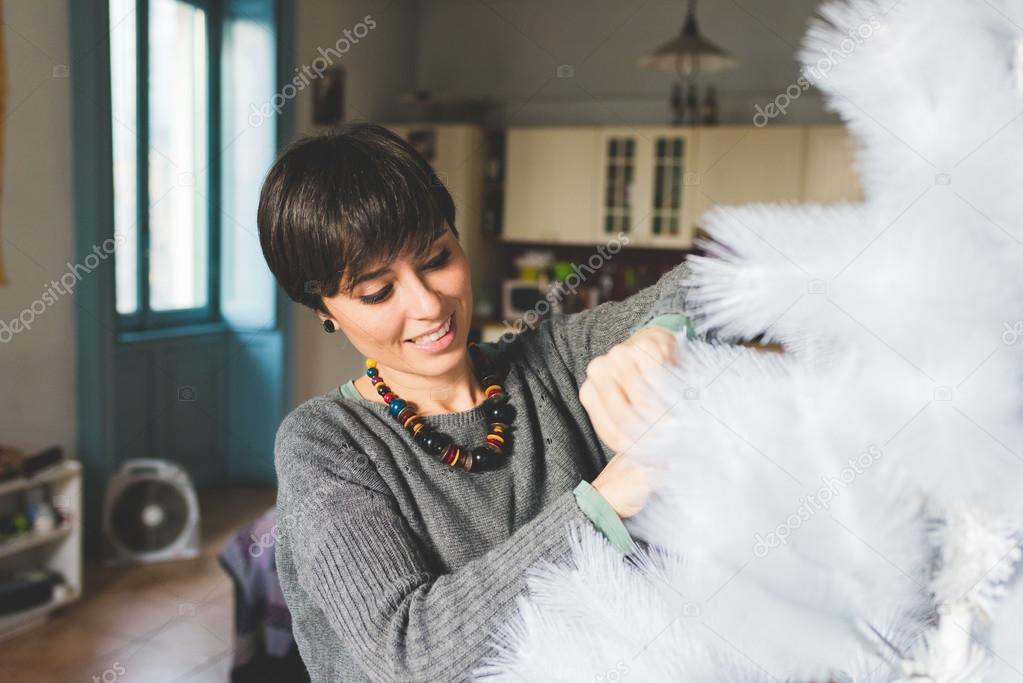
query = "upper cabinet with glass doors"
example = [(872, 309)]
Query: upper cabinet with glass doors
[(643, 176), (654, 184)]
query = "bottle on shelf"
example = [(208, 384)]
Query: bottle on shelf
[(709, 111), (677, 113), (692, 107)]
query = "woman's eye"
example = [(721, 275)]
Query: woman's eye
[(376, 297), (439, 260)]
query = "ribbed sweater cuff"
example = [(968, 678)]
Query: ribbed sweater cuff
[(603, 516)]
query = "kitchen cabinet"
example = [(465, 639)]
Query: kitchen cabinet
[(644, 170), (456, 154), (551, 185), (659, 182), (830, 174), (737, 165), (655, 183), (667, 196), (619, 162)]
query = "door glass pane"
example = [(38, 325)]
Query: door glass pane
[(618, 182), (178, 163), (123, 124), (667, 200)]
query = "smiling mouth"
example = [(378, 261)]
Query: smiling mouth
[(431, 337)]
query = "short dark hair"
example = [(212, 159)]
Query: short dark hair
[(335, 204)]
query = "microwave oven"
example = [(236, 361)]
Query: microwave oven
[(519, 297)]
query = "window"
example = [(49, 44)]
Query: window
[(164, 109)]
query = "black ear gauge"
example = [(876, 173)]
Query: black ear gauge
[(328, 326)]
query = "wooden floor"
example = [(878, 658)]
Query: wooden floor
[(150, 624)]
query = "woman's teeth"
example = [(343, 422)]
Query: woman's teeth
[(430, 338)]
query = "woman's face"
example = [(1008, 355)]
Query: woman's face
[(387, 315)]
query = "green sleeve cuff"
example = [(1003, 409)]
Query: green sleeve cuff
[(674, 322), (603, 516)]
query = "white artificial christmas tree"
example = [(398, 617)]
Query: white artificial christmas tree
[(850, 509)]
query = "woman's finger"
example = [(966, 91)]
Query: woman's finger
[(641, 405), (600, 407), (625, 394)]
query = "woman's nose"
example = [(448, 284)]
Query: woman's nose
[(423, 301)]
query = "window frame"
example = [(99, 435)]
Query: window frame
[(144, 318)]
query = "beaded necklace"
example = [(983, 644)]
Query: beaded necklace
[(499, 413)]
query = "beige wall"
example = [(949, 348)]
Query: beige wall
[(37, 366)]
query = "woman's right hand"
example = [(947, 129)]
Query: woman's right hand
[(625, 484)]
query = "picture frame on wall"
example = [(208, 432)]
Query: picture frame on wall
[(329, 97)]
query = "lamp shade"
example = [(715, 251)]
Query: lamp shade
[(689, 52)]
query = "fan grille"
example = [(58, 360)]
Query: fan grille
[(149, 516)]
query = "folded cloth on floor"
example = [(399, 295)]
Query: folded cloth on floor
[(262, 620)]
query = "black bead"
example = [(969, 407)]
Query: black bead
[(382, 388), (434, 443), (497, 409), (485, 458), (486, 368)]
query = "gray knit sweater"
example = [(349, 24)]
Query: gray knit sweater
[(396, 567)]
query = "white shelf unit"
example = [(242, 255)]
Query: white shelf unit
[(59, 549)]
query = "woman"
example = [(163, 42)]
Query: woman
[(413, 499)]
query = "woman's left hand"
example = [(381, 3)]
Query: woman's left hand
[(618, 394)]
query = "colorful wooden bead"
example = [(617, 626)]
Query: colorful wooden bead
[(480, 459)]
